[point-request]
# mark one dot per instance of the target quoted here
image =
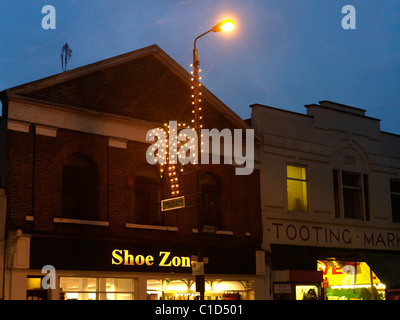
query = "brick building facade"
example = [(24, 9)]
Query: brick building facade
[(73, 168)]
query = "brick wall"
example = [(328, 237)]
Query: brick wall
[(19, 177), (117, 168)]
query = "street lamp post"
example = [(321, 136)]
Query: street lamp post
[(225, 25)]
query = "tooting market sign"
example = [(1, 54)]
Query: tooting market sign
[(312, 234)]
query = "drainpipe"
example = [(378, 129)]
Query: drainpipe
[(3, 198), (3, 210), (33, 166)]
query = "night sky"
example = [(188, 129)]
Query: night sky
[(283, 53)]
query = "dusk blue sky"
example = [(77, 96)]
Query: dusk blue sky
[(283, 53)]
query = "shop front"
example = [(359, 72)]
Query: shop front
[(101, 286), (350, 280), (312, 273), (100, 270), (292, 284), (215, 289), (311, 260)]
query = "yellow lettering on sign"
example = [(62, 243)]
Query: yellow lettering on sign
[(176, 261), (165, 256), (149, 260), (124, 257), (186, 262), (116, 255), (139, 260), (128, 258)]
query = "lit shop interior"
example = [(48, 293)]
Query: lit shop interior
[(346, 280), (93, 288), (172, 289), (82, 288)]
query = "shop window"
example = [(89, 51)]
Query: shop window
[(350, 280), (307, 292), (395, 199), (351, 195), (336, 193), (170, 289), (296, 188), (210, 200), (366, 196), (173, 289), (80, 188), (74, 288), (148, 196), (34, 290)]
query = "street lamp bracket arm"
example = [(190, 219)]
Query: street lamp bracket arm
[(203, 34)]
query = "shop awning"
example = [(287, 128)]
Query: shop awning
[(386, 266)]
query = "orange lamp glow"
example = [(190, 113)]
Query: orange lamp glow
[(225, 25)]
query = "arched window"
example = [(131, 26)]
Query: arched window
[(210, 200), (148, 196), (80, 188)]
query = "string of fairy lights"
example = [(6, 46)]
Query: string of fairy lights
[(196, 98), (174, 143)]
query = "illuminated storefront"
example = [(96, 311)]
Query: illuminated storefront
[(122, 288), (99, 270), (321, 273), (307, 292), (341, 280), (350, 280), (170, 289), (74, 288)]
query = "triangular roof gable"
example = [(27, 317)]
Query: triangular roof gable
[(144, 84)]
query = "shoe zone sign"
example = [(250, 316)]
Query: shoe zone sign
[(94, 255), (163, 259)]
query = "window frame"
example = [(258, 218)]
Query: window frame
[(210, 191), (359, 189), (70, 192), (97, 292), (397, 194), (363, 187), (148, 182), (300, 180)]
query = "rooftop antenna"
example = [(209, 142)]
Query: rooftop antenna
[(65, 55)]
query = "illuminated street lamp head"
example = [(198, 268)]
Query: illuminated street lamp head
[(225, 25)]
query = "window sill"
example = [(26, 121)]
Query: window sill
[(78, 221), (150, 227), (223, 232), (227, 233), (297, 212)]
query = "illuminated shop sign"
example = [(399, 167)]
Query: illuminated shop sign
[(124, 256), (164, 259)]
